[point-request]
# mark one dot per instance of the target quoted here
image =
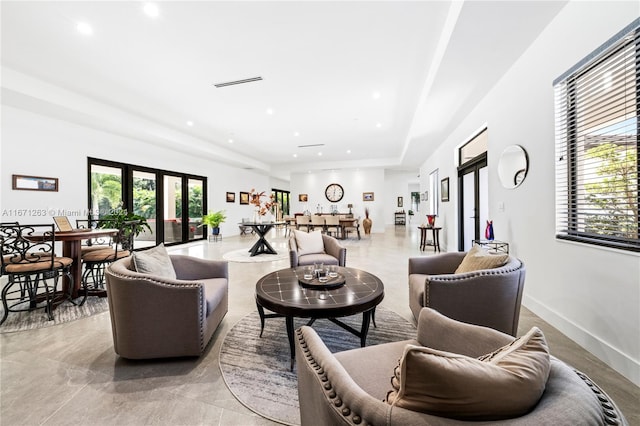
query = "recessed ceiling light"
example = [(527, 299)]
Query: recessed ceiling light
[(84, 28), (375, 95), (230, 141), (319, 154), (151, 9), (348, 151), (378, 125), (270, 111), (296, 134), (190, 123), (295, 155)]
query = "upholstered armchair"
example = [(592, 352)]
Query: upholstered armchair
[(155, 316), (309, 248), (352, 387), (488, 297)]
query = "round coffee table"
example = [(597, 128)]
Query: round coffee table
[(282, 293)]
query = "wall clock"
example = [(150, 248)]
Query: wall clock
[(334, 192)]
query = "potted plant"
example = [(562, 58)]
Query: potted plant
[(117, 220), (213, 220), (410, 215)]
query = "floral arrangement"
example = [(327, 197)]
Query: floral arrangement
[(256, 199)]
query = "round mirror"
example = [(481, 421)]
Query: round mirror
[(513, 166)]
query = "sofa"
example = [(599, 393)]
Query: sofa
[(153, 316), (488, 297), (350, 387)]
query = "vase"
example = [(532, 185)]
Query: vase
[(366, 224), (488, 233)]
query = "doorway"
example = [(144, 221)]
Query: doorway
[(473, 184)]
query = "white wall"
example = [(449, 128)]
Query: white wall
[(398, 184), (36, 145), (591, 294), (354, 182)]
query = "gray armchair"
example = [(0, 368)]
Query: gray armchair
[(349, 387), (334, 253), (153, 317), (488, 297)]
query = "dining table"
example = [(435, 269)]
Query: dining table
[(262, 246), (72, 248)]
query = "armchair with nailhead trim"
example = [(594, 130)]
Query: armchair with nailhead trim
[(349, 388)]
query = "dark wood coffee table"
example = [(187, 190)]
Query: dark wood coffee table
[(281, 292)]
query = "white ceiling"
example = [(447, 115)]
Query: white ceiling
[(321, 63)]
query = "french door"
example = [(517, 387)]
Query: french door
[(473, 205), (173, 203)]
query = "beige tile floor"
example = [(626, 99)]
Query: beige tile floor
[(69, 374)]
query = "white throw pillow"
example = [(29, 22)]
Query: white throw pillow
[(155, 261), (309, 243)]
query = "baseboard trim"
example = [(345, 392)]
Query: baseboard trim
[(611, 356)]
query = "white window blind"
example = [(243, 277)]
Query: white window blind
[(597, 105)]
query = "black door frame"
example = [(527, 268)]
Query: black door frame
[(471, 166)]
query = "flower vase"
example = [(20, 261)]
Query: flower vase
[(488, 233), (256, 216)]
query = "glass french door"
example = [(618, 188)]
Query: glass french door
[(473, 192), (145, 204)]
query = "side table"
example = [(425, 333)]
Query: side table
[(494, 246), (436, 237)]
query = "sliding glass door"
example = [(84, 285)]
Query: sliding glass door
[(172, 203)]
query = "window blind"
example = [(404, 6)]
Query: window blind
[(597, 104)]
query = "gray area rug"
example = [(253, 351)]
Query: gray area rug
[(256, 370), (66, 312)]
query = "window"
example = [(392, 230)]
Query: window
[(597, 144)]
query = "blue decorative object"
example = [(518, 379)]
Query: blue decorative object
[(488, 233)]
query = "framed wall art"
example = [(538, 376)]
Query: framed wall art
[(367, 196), (399, 201), (231, 197), (244, 198), (34, 183), (444, 189), (303, 198)]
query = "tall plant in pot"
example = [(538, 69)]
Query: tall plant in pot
[(366, 222), (213, 221)]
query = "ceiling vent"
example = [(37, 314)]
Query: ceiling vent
[(311, 145), (231, 83)]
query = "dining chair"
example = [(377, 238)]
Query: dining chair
[(332, 225), (32, 269), (317, 222), (95, 261), (353, 227), (303, 221), (97, 243)]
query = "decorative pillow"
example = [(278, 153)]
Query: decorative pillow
[(155, 261), (504, 384), (309, 243), (478, 258)]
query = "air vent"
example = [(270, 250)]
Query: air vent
[(310, 146), (231, 83)]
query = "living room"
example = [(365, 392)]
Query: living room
[(589, 293)]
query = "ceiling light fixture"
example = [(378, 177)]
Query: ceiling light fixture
[(270, 111), (296, 134), (319, 154), (348, 151), (375, 95), (230, 140), (151, 10), (84, 28), (295, 155), (378, 125), (231, 83), (190, 123)]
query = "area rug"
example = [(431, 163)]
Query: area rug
[(244, 256), (66, 312), (256, 370)]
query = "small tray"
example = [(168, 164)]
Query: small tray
[(330, 283)]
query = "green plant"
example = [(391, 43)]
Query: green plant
[(118, 219), (214, 219), (410, 212)]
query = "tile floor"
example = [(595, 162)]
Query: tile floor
[(69, 374)]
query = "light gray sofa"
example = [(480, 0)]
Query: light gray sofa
[(334, 253), (349, 388), (153, 317), (488, 297)]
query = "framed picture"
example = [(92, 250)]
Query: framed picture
[(444, 189), (399, 201), (367, 196), (231, 197), (303, 198), (244, 198), (63, 224), (35, 183)]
